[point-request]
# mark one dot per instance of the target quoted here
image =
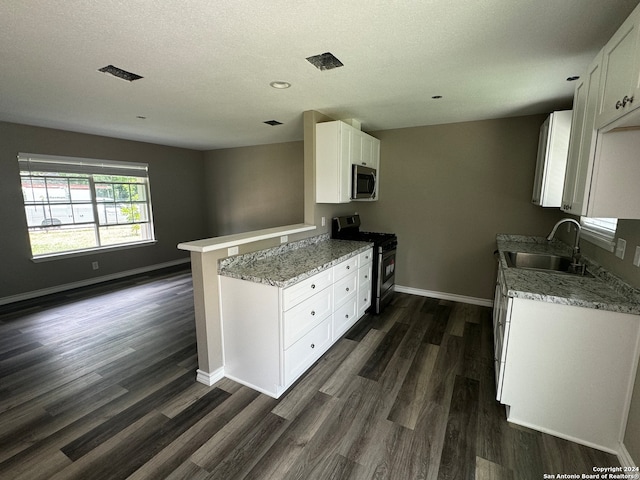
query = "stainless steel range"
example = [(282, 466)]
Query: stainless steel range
[(384, 258)]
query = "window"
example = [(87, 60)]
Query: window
[(600, 231), (79, 204)]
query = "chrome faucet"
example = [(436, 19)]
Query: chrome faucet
[(576, 245)]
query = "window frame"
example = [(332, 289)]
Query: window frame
[(90, 172), (599, 235)]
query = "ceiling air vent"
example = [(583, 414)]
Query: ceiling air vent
[(118, 72), (325, 61), (273, 123)]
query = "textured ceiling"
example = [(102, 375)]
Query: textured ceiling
[(207, 64)]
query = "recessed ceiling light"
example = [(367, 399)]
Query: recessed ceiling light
[(118, 72), (325, 61), (573, 79), (273, 123), (280, 85)]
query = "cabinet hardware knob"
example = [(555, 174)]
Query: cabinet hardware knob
[(366, 276), (313, 285), (346, 316), (348, 267), (347, 289), (313, 312), (619, 105), (313, 345)]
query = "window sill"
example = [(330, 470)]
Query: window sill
[(598, 240), (91, 251)]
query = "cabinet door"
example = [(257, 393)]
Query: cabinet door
[(333, 168), (345, 288), (582, 142), (299, 356), (357, 154), (343, 318), (621, 72), (304, 316), (543, 142)]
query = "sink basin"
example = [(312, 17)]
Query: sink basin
[(543, 261)]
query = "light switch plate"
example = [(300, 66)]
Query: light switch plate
[(621, 246), (636, 257), (284, 238), (232, 251)]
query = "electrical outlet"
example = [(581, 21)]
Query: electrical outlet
[(95, 265), (323, 221), (232, 251), (621, 246), (284, 238), (636, 257)]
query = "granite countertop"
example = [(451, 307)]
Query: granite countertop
[(291, 263), (603, 291)]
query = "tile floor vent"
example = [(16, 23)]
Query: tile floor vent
[(325, 61), (118, 72), (273, 123)]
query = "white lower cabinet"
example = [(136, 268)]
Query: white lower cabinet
[(272, 335), (566, 370)]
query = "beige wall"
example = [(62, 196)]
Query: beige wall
[(177, 193), (447, 190), (252, 188)]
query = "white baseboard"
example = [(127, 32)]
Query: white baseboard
[(210, 378), (90, 281), (624, 458), (483, 302)]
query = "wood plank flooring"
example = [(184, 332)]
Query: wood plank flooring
[(100, 384)]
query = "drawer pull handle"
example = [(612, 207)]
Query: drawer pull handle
[(313, 345), (313, 285)]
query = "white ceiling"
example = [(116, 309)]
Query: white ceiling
[(207, 64)]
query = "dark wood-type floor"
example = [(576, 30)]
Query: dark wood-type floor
[(100, 384)]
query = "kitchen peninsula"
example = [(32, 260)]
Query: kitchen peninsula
[(280, 308)]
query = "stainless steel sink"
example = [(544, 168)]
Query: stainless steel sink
[(546, 262)]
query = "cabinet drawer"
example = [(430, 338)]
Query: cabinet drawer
[(300, 319), (301, 291), (299, 356), (344, 317), (345, 288), (365, 258), (345, 268)]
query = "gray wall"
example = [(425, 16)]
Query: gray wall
[(177, 194), (252, 188), (447, 190)]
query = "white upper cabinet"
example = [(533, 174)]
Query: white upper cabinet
[(370, 151), (338, 147), (620, 81), (553, 147), (603, 172), (582, 142)]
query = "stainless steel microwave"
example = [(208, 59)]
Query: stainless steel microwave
[(364, 183)]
